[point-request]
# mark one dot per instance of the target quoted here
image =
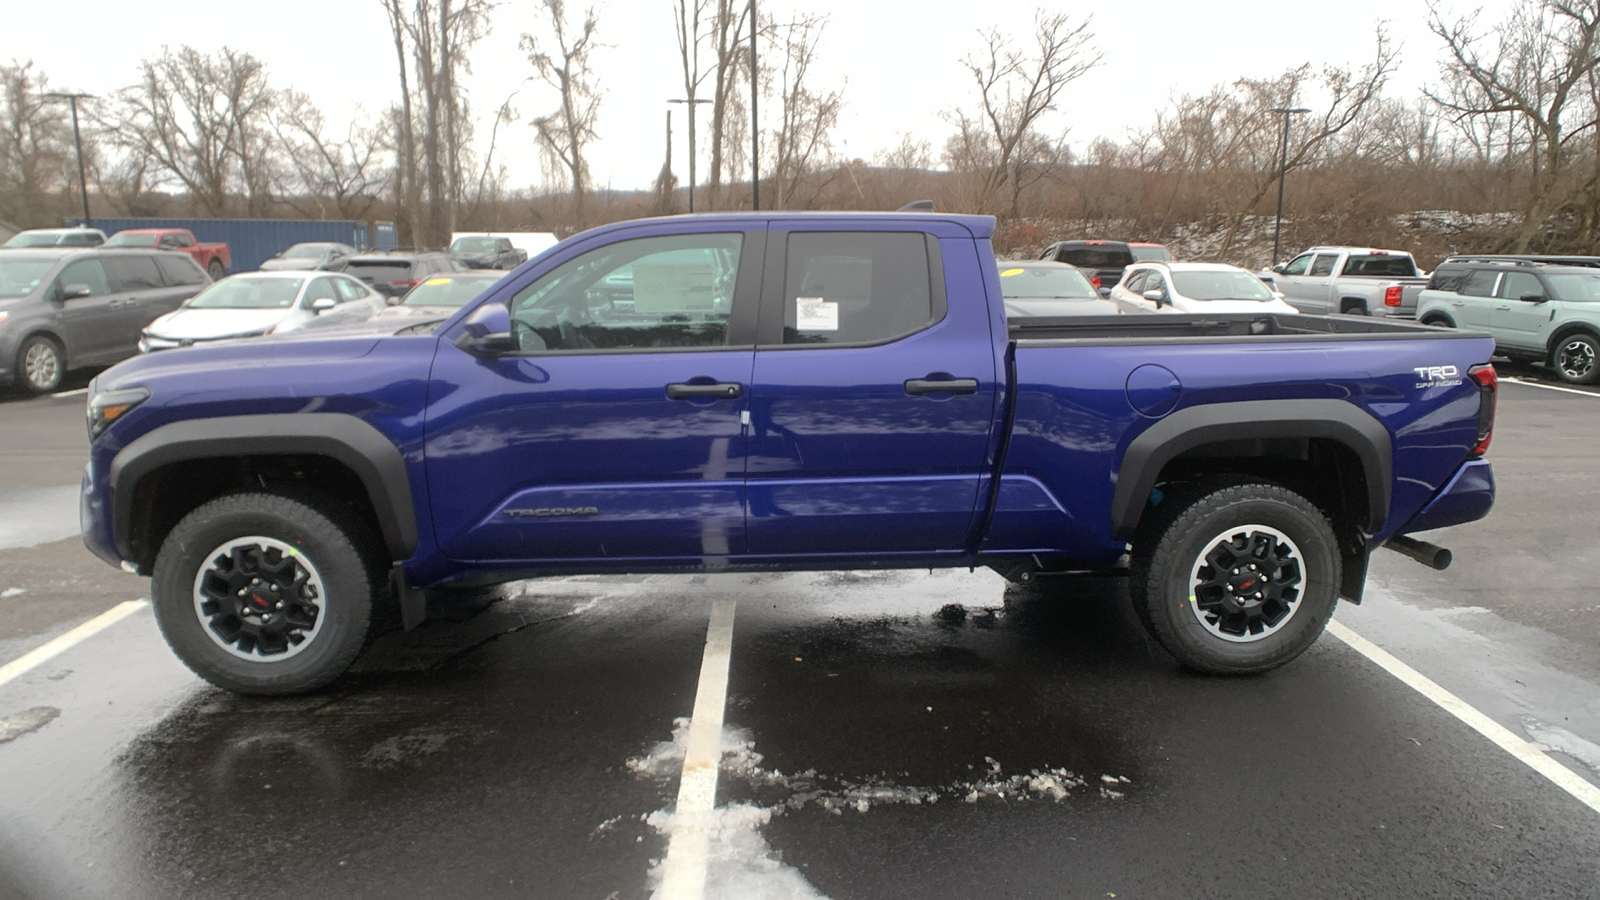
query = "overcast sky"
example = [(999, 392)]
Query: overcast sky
[(896, 61)]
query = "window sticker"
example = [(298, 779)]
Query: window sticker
[(1010, 272), (815, 314)]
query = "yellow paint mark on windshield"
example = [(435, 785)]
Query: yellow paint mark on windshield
[(1010, 272)]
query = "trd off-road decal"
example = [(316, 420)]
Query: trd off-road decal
[(1437, 376)]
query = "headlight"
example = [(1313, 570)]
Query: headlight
[(107, 407)]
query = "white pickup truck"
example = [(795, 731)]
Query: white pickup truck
[(1356, 281)]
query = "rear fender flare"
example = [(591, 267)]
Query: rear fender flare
[(1197, 426)]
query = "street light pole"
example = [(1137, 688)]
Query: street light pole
[(1283, 168), (692, 102), (77, 140)]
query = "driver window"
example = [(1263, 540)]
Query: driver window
[(1136, 282), (1517, 285), (1155, 283), (85, 271), (1297, 266), (664, 292), (319, 290)]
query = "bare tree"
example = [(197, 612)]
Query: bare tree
[(35, 147), (1017, 88), (334, 175), (806, 116), (731, 60), (563, 62)]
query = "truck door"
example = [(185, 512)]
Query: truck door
[(614, 434), (1290, 282), (874, 397)]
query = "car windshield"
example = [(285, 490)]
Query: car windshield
[(1220, 286), (1154, 252), (447, 291), (18, 277), (128, 239), (473, 245), (34, 239), (249, 293), (1045, 283), (1576, 287), (306, 251)]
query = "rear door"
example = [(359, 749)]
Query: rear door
[(139, 295), (875, 390), (615, 434)]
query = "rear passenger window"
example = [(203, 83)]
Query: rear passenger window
[(132, 273), (1322, 265), (1479, 284), (861, 287), (179, 269)]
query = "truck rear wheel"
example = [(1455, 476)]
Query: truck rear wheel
[(215, 270), (266, 594), (1236, 579)]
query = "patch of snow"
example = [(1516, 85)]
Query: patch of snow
[(740, 863), (12, 592), (1554, 739)]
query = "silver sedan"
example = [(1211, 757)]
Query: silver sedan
[(256, 303)]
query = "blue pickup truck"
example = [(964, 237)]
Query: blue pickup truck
[(774, 392)]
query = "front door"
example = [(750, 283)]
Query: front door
[(91, 325), (615, 433), (875, 392), (1517, 322)]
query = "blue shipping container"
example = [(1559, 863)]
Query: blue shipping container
[(254, 241)]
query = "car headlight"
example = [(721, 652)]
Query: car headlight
[(109, 406)]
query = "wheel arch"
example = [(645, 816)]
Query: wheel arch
[(1347, 302), (45, 331), (204, 458), (1565, 331), (1434, 315)]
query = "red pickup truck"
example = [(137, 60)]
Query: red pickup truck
[(214, 258)]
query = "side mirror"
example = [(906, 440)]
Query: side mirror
[(1532, 298), (1280, 268), (487, 332), (323, 304), (74, 291)]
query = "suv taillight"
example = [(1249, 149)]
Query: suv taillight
[(1094, 281), (1391, 296), (1488, 388)]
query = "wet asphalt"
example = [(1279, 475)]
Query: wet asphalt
[(906, 734)]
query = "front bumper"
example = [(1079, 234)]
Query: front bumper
[(1467, 497), (94, 519)]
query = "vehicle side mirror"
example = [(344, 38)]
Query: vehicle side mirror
[(74, 291), (1156, 297), (487, 332), (323, 304), (1532, 298), (1280, 268)]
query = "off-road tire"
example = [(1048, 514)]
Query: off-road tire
[(40, 365), (1170, 550), (1582, 347), (340, 550)]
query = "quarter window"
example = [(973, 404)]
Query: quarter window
[(860, 287)]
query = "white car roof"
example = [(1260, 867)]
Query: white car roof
[(279, 273), (1187, 266)]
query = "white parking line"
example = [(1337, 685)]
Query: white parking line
[(1550, 387), (51, 649), (75, 393), (1503, 737), (685, 867)]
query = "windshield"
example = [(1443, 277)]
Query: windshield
[(1220, 286), (1576, 287), (249, 293), (306, 251), (34, 239), (1045, 283), (18, 277), (1153, 251), (473, 245), (447, 291), (128, 239)]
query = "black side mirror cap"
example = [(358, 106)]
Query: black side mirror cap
[(488, 345), (1532, 298), (1280, 268)]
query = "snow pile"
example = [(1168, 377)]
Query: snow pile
[(739, 863)]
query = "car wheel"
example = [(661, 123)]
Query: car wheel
[(1577, 359), (40, 364), (266, 594), (215, 270), (1238, 578)]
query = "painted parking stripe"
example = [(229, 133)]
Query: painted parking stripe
[(685, 867), (71, 393), (1503, 737), (42, 654), (1549, 387)]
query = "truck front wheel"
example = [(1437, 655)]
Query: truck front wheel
[(215, 270), (1236, 579), (266, 594)]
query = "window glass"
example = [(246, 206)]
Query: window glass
[(1576, 287), (18, 277), (1298, 265), (80, 239), (666, 292), (1136, 281), (1323, 265), (1220, 286), (1044, 282), (846, 288), (1387, 264), (1516, 285), (348, 289), (1155, 282), (245, 292), (132, 239), (1096, 257), (182, 240), (132, 273), (86, 271), (321, 289), (1479, 283), (178, 270), (1151, 251)]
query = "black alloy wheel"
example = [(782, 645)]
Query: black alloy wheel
[(1576, 359)]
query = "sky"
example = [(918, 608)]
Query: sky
[(896, 62)]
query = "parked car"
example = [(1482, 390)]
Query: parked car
[(442, 295), (1147, 252), (319, 255), (1536, 313), (1353, 281), (1194, 288), (1041, 288), (809, 392), (214, 258), (56, 237), (64, 308), (1102, 261), (486, 251), (393, 272), (256, 303)]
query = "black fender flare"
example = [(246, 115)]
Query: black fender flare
[(359, 446), (1186, 429)]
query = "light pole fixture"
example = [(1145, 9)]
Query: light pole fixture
[(692, 103), (77, 140), (1283, 168)]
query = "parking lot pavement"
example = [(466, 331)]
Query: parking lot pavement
[(886, 734)]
